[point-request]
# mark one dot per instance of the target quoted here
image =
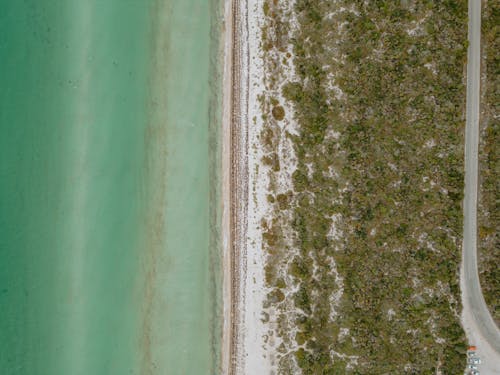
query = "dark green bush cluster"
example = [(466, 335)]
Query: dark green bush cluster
[(278, 113)]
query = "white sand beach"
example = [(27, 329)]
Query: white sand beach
[(244, 190)]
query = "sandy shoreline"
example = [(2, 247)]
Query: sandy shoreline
[(233, 189), (226, 343), (243, 350), (227, 240)]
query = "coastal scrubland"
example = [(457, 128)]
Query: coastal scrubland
[(364, 127), (489, 161)]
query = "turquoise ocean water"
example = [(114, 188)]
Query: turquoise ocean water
[(109, 187)]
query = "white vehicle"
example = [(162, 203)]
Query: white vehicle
[(471, 354), (473, 367), (475, 361)]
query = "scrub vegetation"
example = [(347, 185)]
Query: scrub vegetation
[(489, 199), (366, 183)]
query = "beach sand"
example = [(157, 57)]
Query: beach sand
[(244, 195)]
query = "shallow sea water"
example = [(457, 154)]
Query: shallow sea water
[(108, 187)]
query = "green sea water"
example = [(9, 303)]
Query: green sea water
[(109, 187)]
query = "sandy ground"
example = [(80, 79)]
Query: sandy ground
[(244, 335), (256, 355)]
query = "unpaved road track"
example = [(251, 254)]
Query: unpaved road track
[(478, 322)]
